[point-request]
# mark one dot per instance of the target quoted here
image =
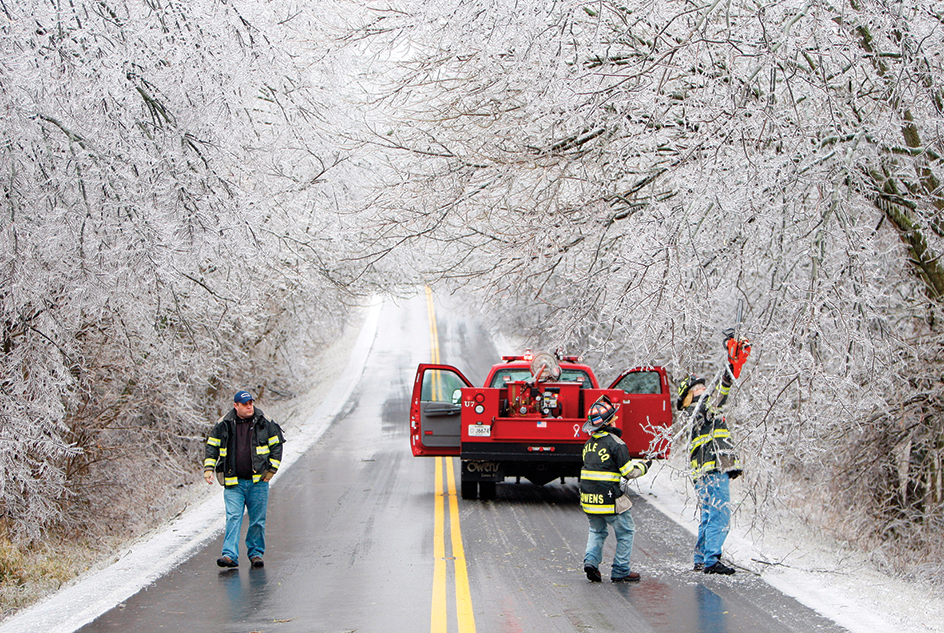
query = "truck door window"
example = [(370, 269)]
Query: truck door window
[(440, 385), (641, 382)]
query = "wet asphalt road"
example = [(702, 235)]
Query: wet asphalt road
[(351, 535)]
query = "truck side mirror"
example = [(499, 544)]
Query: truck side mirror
[(456, 396)]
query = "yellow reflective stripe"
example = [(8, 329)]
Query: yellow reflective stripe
[(275, 463), (700, 441), (628, 467), (704, 467), (607, 509), (717, 434), (599, 475), (223, 451), (213, 441), (230, 481), (262, 450), (256, 478), (723, 390), (273, 440), (209, 462)]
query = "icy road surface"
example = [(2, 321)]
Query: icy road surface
[(360, 539)]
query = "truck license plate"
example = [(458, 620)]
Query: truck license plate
[(480, 430)]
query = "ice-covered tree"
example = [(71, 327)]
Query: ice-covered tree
[(170, 192), (619, 175)]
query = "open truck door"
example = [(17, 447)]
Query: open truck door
[(648, 404), (436, 410)]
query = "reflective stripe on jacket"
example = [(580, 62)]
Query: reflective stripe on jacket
[(266, 441), (711, 448), (605, 461)]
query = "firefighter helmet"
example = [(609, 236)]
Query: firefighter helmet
[(684, 387), (599, 414)]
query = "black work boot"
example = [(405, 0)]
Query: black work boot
[(719, 568)]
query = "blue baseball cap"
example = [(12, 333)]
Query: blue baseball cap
[(242, 397)]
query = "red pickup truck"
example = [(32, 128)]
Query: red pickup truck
[(525, 422)]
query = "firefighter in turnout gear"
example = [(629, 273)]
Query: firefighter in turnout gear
[(607, 469), (714, 460), (243, 452)]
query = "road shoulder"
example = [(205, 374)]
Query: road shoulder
[(821, 573), (161, 550)]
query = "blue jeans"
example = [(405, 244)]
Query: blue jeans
[(253, 498), (624, 528), (714, 496)]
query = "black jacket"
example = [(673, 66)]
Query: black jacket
[(605, 461), (711, 448), (266, 442)]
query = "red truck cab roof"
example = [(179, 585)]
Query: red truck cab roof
[(528, 357)]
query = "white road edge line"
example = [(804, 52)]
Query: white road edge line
[(95, 593)]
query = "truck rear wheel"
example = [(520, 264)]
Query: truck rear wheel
[(470, 489)]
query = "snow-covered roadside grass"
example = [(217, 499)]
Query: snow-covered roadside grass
[(112, 579), (26, 576), (824, 574)]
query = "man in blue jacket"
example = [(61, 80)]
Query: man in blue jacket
[(243, 452)]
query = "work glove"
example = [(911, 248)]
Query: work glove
[(734, 474), (209, 476), (269, 474), (639, 469)]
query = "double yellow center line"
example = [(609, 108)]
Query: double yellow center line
[(439, 614)]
